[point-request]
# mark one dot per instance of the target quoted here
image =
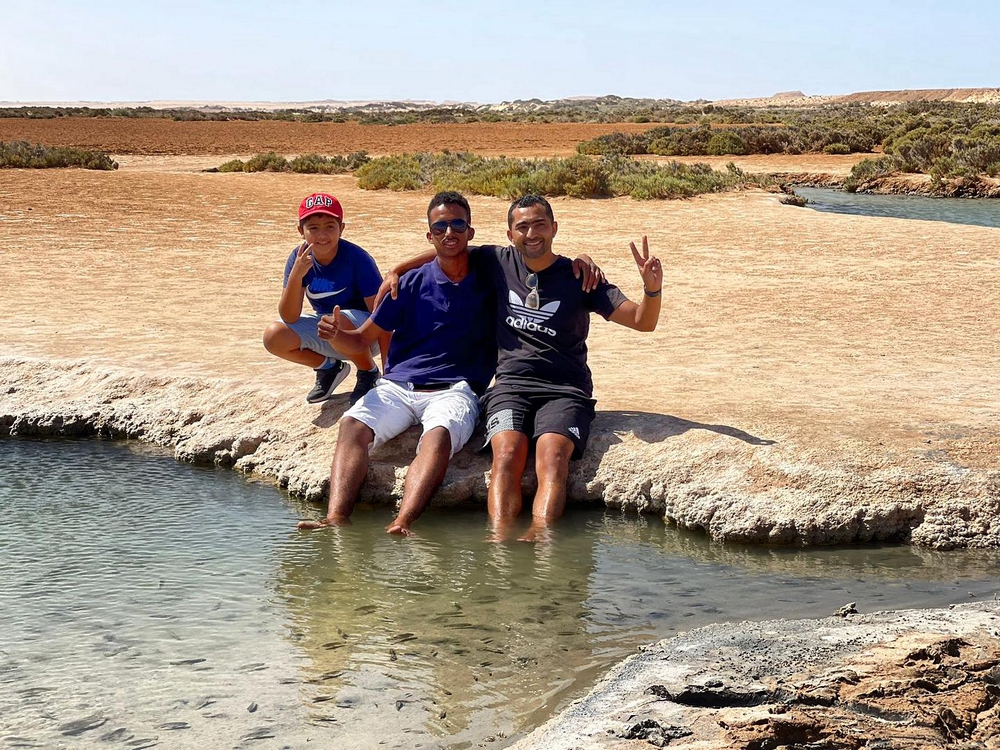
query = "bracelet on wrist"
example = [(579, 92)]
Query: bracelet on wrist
[(652, 294)]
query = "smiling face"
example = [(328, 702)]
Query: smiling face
[(322, 232), (451, 242), (532, 231)]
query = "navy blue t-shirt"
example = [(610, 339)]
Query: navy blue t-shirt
[(350, 277), (443, 332), (547, 346)]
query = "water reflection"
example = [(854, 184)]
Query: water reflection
[(144, 598), (444, 631)]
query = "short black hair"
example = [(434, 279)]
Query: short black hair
[(526, 201), (449, 198)]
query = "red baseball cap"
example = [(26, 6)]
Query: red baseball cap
[(320, 203)]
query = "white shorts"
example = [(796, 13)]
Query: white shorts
[(389, 409)]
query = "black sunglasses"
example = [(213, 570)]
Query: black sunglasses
[(457, 225)]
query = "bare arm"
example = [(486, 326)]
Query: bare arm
[(350, 342), (390, 285), (290, 304), (643, 316)]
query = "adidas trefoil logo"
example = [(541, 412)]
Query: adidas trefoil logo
[(526, 319)]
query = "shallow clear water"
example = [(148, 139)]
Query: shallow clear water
[(148, 602), (980, 212)]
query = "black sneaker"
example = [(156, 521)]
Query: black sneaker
[(327, 381), (366, 381)]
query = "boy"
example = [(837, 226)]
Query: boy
[(331, 272)]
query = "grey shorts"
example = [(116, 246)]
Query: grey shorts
[(307, 329)]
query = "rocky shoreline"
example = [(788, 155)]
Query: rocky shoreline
[(730, 484), (902, 680), (899, 184)]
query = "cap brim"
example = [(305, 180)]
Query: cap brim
[(315, 211)]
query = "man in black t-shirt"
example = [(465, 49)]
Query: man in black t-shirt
[(543, 389)]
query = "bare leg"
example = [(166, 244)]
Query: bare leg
[(282, 341), (422, 479), (347, 473), (552, 455), (510, 455)]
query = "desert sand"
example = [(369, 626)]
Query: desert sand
[(815, 378), (122, 135)]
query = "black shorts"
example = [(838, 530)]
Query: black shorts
[(536, 411)]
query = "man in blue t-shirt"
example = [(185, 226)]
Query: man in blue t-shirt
[(330, 272), (441, 357)]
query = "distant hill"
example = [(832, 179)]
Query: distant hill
[(797, 98), (604, 106)]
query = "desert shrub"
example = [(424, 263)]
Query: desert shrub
[(836, 148), (269, 162), (980, 155), (233, 165), (649, 181), (725, 142), (871, 169), (316, 164), (401, 172), (577, 177), (614, 143), (21, 154), (304, 164)]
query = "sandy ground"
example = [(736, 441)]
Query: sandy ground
[(815, 377), (826, 164)]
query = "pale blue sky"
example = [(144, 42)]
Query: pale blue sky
[(481, 51)]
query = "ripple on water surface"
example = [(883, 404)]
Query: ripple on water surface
[(147, 601)]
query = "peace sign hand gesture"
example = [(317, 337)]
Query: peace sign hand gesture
[(649, 266), (303, 261)]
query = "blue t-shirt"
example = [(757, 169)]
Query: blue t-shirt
[(443, 332), (350, 277)]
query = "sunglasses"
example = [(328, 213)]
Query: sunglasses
[(457, 226), (531, 301)]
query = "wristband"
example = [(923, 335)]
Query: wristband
[(652, 294)]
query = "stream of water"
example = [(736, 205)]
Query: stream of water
[(144, 603)]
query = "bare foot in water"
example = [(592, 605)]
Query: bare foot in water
[(323, 523), (539, 531), (500, 530), (399, 527)]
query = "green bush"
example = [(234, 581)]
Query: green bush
[(577, 177), (316, 164), (725, 142), (24, 155), (391, 172), (304, 164), (836, 148), (269, 162), (234, 165), (871, 169)]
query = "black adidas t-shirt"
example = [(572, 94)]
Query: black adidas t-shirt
[(547, 346)]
